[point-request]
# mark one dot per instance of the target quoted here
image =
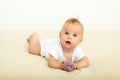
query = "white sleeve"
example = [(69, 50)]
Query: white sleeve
[(53, 52), (56, 53), (79, 53)]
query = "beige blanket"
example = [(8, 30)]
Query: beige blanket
[(101, 47)]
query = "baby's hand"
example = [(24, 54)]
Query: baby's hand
[(77, 66), (61, 64)]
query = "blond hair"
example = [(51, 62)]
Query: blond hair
[(73, 21)]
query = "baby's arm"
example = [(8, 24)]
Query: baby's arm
[(53, 63), (82, 63)]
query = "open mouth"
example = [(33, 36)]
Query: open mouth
[(68, 42)]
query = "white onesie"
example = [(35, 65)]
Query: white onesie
[(53, 47)]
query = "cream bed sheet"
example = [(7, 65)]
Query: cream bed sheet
[(102, 47)]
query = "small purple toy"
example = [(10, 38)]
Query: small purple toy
[(68, 66)]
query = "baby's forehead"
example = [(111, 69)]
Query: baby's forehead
[(76, 27), (73, 31)]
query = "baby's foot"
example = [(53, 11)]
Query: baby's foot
[(29, 38)]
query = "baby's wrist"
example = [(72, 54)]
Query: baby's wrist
[(76, 66)]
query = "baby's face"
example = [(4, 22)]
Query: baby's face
[(71, 36)]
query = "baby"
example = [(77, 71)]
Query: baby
[(65, 49)]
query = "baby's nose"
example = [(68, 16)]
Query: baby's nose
[(69, 37)]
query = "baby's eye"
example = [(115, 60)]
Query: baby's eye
[(74, 35), (66, 33)]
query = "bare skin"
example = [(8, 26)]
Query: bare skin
[(34, 44)]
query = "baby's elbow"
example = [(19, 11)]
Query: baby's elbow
[(49, 65), (87, 64)]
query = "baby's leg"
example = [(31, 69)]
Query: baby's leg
[(34, 44)]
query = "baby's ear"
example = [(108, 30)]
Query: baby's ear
[(81, 38), (59, 33)]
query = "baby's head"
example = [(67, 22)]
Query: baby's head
[(71, 33)]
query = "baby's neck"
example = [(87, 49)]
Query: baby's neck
[(67, 50)]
